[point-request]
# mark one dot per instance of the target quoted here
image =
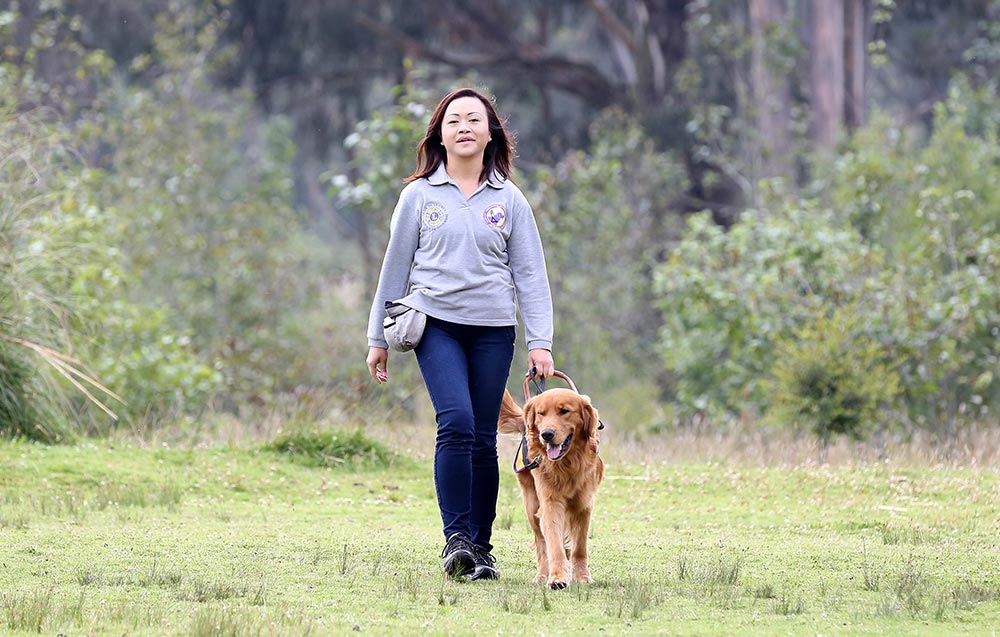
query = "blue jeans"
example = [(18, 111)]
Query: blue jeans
[(465, 369)]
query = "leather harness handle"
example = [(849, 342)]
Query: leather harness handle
[(556, 373)]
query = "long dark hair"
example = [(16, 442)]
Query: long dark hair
[(499, 152)]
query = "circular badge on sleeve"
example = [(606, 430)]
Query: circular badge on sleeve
[(495, 216)]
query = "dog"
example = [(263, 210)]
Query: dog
[(561, 428)]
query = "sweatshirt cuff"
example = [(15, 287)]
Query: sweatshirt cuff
[(540, 344), (378, 343)]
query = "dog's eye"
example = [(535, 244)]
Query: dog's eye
[(563, 411)]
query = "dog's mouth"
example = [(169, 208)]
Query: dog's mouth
[(554, 452)]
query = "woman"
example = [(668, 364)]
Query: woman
[(464, 249)]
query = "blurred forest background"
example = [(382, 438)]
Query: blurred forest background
[(756, 213)]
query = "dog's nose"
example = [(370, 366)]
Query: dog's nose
[(548, 435)]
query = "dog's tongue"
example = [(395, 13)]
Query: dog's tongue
[(553, 451)]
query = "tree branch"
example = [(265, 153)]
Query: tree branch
[(530, 63)]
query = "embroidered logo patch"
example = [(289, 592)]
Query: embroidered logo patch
[(495, 216), (434, 215)]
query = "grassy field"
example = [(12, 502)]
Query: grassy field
[(109, 538)]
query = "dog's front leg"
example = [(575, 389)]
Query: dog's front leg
[(580, 528), (553, 523), (531, 508)]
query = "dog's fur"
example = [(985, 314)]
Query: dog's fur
[(559, 493)]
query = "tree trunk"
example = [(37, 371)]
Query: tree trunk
[(827, 71), (770, 94), (855, 60), (668, 46)]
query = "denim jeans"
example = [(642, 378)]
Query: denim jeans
[(465, 369)]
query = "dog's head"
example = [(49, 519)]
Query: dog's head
[(558, 417)]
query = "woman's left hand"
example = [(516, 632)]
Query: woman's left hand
[(541, 361)]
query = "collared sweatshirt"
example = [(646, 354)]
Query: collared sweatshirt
[(474, 261)]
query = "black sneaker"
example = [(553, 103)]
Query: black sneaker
[(485, 564), (459, 555)]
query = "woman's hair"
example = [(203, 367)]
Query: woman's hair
[(499, 150)]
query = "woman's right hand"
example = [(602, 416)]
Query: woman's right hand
[(378, 364)]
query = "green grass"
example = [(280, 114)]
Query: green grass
[(105, 538)]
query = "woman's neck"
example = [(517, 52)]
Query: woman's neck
[(465, 169)]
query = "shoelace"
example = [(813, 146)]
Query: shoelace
[(456, 542), (482, 555)]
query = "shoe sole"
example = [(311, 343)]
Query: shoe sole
[(484, 572)]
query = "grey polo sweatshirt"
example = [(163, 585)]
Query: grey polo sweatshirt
[(472, 261)]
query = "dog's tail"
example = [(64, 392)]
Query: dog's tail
[(511, 416)]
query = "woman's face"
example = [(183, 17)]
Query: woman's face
[(465, 129)]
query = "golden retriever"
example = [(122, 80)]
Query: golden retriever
[(561, 427)]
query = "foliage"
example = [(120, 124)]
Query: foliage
[(28, 305), (128, 343), (46, 63), (25, 410), (604, 217), (154, 220), (38, 307), (912, 249), (197, 202), (152, 234), (728, 297), (831, 376), (62, 272), (934, 209), (332, 449)]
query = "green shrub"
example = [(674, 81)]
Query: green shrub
[(831, 376), (728, 298)]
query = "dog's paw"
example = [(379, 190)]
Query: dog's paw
[(557, 584), (558, 579), (541, 578), (582, 574)]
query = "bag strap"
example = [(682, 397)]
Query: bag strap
[(394, 309)]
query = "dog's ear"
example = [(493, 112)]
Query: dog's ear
[(591, 419), (529, 415)]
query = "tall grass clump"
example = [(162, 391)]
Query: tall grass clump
[(38, 374), (26, 611), (332, 449)]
